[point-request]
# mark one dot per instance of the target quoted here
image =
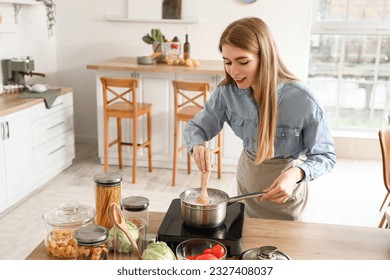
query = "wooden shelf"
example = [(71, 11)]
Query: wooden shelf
[(125, 19)]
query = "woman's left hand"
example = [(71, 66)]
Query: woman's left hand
[(283, 186)]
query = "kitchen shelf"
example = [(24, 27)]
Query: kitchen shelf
[(22, 2), (125, 19)]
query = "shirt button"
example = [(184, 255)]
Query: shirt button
[(283, 134)]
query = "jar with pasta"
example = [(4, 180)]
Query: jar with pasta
[(60, 226), (108, 189)]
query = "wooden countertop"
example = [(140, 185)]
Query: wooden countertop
[(301, 241), (11, 103), (212, 67)]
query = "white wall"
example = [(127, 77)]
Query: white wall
[(30, 39), (83, 38)]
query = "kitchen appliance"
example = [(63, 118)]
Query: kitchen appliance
[(16, 69), (173, 230)]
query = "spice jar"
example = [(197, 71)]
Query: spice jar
[(92, 243), (60, 227), (108, 190), (136, 207)]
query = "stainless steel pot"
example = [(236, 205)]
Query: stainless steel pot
[(211, 215)]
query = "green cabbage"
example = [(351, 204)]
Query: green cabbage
[(158, 251), (122, 244)]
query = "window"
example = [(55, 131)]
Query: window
[(349, 63)]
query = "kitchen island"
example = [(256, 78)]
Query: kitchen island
[(155, 87), (301, 241)]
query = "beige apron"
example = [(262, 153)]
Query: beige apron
[(253, 178)]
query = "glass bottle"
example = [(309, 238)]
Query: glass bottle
[(186, 52)]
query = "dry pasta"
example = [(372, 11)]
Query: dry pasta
[(105, 196)]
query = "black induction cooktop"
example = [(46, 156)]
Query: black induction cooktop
[(173, 230)]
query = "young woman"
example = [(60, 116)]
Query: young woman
[(286, 138)]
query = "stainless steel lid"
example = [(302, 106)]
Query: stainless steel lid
[(135, 203), (91, 234), (264, 253), (108, 178)]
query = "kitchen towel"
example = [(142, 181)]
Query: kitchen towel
[(49, 96)]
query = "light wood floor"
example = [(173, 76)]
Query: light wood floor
[(351, 194)]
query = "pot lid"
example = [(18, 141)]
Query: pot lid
[(69, 214), (264, 253), (135, 203), (91, 234)]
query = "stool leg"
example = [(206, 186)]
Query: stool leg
[(175, 147), (149, 119), (384, 201), (119, 133), (135, 148), (106, 144)]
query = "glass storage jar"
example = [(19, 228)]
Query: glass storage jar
[(108, 189), (136, 207), (60, 226), (92, 243)]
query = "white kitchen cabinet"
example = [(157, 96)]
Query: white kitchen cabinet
[(16, 145), (52, 138), (36, 144)]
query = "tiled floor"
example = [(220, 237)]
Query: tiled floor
[(351, 194)]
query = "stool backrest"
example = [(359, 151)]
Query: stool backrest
[(119, 90), (190, 94)]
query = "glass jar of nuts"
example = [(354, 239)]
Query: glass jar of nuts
[(60, 226), (92, 243)]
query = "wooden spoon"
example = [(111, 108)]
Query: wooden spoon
[(117, 218), (203, 197)]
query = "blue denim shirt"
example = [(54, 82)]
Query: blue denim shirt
[(302, 129)]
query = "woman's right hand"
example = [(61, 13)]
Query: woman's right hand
[(201, 155)]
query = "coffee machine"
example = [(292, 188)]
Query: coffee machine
[(16, 69)]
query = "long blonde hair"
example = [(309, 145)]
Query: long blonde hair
[(253, 35)]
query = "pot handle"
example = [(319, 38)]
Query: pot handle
[(244, 196)]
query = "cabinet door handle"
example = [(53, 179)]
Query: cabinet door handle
[(7, 125), (56, 150), (58, 124)]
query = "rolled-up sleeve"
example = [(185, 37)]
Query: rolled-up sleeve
[(206, 124), (320, 154)]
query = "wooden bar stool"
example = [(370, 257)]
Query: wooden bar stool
[(384, 141), (120, 101), (189, 99)]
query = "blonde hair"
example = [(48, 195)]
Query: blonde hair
[(253, 35)]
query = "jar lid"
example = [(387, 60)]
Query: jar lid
[(91, 234), (108, 178), (69, 214), (135, 203), (264, 253)]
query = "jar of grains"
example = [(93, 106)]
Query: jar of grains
[(60, 226), (92, 243), (108, 188)]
